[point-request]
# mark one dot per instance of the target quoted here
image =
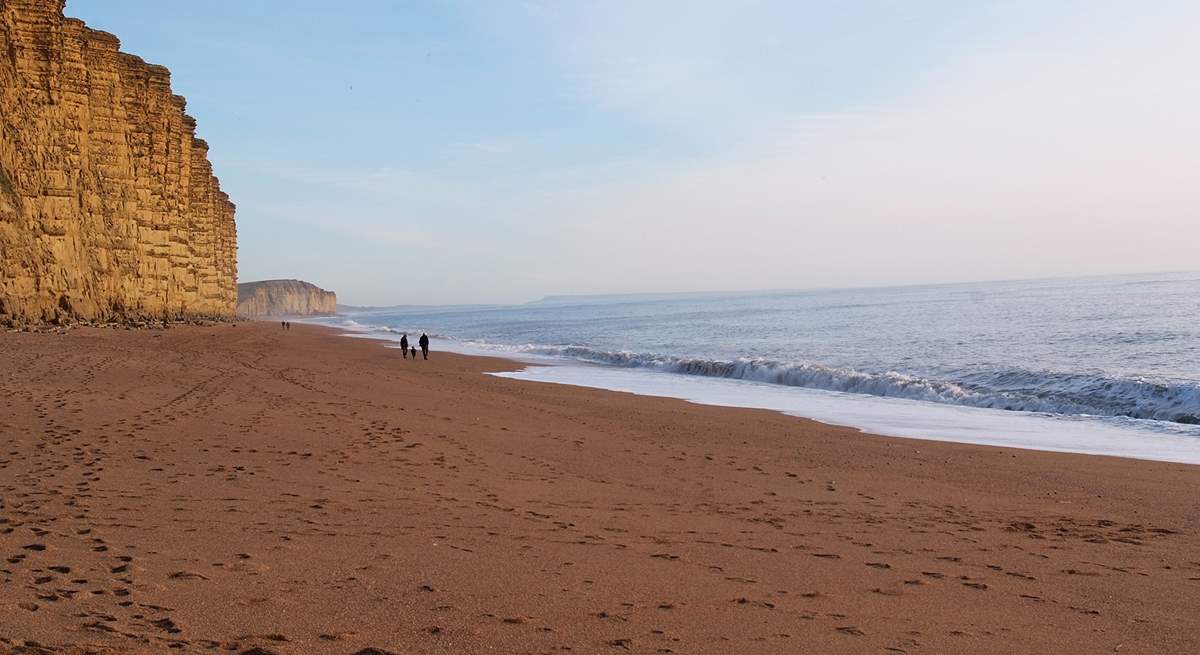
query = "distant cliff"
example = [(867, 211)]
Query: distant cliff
[(284, 298), (108, 205)]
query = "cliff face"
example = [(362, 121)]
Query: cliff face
[(108, 205), (284, 298)]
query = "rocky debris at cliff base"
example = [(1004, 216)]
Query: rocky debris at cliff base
[(64, 326)]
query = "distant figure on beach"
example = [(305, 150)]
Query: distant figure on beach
[(283, 324), (424, 346), (413, 351), (404, 345)]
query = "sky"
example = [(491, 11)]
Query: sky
[(498, 151)]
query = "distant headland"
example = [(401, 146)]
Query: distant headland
[(284, 298)]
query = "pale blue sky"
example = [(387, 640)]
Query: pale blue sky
[(490, 151)]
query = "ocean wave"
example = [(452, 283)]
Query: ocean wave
[(1044, 392), (1015, 390), (366, 328)]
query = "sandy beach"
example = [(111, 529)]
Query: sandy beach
[(238, 488)]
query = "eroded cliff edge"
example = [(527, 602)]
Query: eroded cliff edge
[(284, 298), (109, 209)]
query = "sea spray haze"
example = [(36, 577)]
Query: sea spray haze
[(1122, 349)]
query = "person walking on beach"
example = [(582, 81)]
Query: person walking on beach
[(404, 345), (424, 341)]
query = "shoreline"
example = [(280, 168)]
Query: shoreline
[(870, 414), (235, 487)]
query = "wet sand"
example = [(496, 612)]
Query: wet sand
[(248, 490)]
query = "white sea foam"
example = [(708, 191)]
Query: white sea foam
[(893, 416), (1078, 394), (1087, 365), (1016, 390)]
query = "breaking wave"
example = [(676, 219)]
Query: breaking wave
[(1044, 392), (1006, 389)]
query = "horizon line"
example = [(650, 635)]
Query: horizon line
[(775, 290)]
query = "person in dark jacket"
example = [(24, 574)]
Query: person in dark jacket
[(404, 345), (424, 342)]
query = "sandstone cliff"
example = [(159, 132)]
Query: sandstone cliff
[(108, 205), (284, 298)]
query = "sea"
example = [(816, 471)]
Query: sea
[(1099, 365)]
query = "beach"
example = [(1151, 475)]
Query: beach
[(239, 488)]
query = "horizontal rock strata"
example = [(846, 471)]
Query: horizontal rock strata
[(109, 209), (284, 298)]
